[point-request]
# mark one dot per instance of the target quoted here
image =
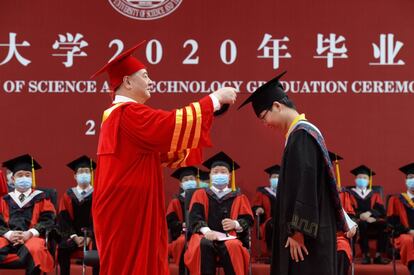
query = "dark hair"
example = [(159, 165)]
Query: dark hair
[(288, 103)]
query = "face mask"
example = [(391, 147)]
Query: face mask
[(361, 183), (189, 184), (83, 178), (273, 183), (23, 182), (410, 183), (203, 184), (220, 180)]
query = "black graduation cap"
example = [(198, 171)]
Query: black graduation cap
[(204, 175), (363, 170), (24, 162), (334, 156), (221, 159), (264, 96), (185, 171), (408, 169), (275, 169), (81, 162)]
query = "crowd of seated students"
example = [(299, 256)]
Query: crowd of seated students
[(210, 214)]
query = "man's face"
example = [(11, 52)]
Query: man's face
[(219, 170), (274, 176), (273, 117), (187, 178), (140, 84), (362, 176), (410, 176)]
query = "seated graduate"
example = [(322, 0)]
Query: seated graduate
[(75, 213), (176, 214), (343, 245), (370, 213), (263, 204), (25, 216), (401, 216), (220, 218)]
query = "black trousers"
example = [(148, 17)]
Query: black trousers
[(376, 230), (269, 236), (64, 252), (210, 250), (343, 263)]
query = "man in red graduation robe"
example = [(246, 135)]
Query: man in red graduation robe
[(308, 210), (176, 214), (400, 215), (25, 216), (135, 139), (214, 213), (370, 214), (75, 214), (263, 204)]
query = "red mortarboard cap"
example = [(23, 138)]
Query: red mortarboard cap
[(122, 65)]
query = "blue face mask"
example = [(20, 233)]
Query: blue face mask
[(273, 183), (361, 183), (23, 182), (203, 184), (83, 178), (410, 183), (220, 180), (189, 184)]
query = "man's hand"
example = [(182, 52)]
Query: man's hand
[(226, 95), (411, 232), (26, 235), (296, 243), (88, 241), (78, 240), (351, 233), (364, 216), (228, 224), (371, 220), (16, 237), (259, 211), (211, 236)]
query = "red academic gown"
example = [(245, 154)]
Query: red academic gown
[(175, 219), (129, 206), (400, 214), (37, 212), (342, 241), (264, 199), (202, 209)]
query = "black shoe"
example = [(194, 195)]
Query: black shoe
[(366, 260), (381, 260)]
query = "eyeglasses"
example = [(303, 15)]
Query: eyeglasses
[(264, 114)]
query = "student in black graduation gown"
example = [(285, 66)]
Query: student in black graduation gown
[(308, 210), (25, 216), (215, 213), (370, 213), (263, 206), (400, 214), (176, 214), (75, 214)]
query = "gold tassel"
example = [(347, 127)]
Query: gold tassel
[(370, 179), (338, 175), (33, 175), (198, 178), (92, 174), (233, 179)]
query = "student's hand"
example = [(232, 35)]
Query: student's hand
[(351, 233), (364, 216), (78, 240), (228, 224), (371, 220), (26, 235), (226, 95), (296, 244), (211, 236), (16, 237), (259, 211), (183, 226), (411, 232), (88, 241)]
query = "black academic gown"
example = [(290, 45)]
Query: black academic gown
[(304, 204)]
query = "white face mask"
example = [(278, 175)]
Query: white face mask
[(23, 183), (83, 179)]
